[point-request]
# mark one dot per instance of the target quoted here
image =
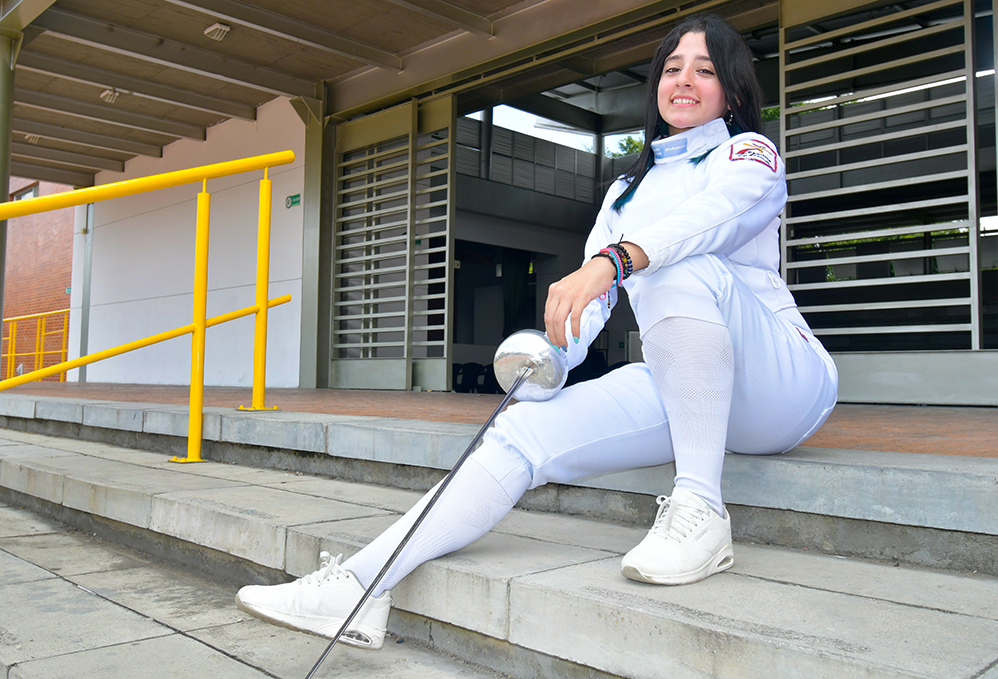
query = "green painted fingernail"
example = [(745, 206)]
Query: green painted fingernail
[(576, 339)]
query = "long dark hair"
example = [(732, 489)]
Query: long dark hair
[(733, 64)]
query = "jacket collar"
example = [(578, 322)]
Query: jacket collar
[(691, 143)]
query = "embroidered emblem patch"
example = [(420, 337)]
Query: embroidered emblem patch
[(753, 149)]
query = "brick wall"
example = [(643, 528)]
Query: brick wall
[(39, 267)]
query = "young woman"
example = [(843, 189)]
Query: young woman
[(692, 233)]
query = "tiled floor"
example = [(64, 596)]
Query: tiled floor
[(914, 429)]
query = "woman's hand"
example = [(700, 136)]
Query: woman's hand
[(569, 296)]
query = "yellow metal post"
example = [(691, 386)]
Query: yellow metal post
[(40, 328), (262, 294), (196, 416), (11, 348), (65, 343)]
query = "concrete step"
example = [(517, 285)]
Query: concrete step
[(928, 510), (72, 605), (541, 596)]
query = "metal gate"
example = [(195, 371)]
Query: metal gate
[(882, 228), (393, 249)]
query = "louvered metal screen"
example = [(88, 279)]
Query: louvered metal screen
[(881, 230), (392, 255)]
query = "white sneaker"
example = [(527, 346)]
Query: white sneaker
[(319, 603), (688, 542)]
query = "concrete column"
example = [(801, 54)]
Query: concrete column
[(486, 144), (311, 202), (7, 46)]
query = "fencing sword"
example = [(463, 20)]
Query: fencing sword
[(526, 364)]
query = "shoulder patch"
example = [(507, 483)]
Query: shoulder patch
[(754, 149)]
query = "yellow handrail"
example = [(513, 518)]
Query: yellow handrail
[(129, 187), (137, 344), (42, 333), (199, 323), (38, 315)]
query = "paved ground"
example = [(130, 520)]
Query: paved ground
[(904, 429), (72, 605)]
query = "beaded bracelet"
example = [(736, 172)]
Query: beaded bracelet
[(618, 261), (625, 259)]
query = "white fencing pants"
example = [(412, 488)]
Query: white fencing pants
[(785, 387)]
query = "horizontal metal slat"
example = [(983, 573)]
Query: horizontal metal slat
[(875, 45), (370, 316), (897, 207), (370, 272), (372, 243), (892, 329), (431, 175), (879, 186), (884, 257), (880, 306), (433, 144), (370, 287), (368, 302), (381, 198), (858, 72), (374, 214), (872, 23), (367, 345), (426, 298), (394, 151), (878, 162), (938, 79), (876, 115), (375, 171), (879, 233), (878, 282), (890, 136), (375, 186)]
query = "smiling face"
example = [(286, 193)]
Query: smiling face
[(689, 93)]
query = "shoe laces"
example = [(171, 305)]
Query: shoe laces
[(329, 569), (675, 520)]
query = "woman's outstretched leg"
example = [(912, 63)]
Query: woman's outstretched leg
[(479, 496)]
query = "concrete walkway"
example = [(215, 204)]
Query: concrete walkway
[(541, 596), (73, 605)]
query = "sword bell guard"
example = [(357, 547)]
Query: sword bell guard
[(530, 348)]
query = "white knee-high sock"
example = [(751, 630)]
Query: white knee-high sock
[(473, 502), (692, 364)]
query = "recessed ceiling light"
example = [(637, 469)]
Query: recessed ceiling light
[(216, 31)]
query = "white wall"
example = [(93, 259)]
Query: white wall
[(143, 260)]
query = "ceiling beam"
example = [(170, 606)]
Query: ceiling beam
[(15, 15), (43, 63), (107, 113), (100, 141), (547, 107), (449, 14), (158, 50), (50, 174), (287, 28), (79, 160)]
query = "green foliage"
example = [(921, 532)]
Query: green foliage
[(626, 147), (772, 113)]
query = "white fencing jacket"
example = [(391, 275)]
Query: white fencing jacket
[(728, 205)]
